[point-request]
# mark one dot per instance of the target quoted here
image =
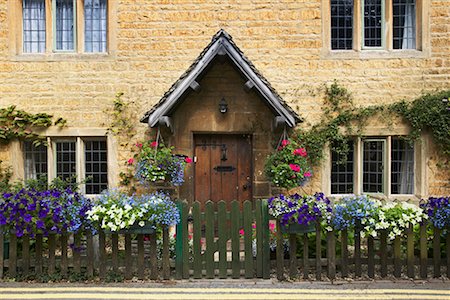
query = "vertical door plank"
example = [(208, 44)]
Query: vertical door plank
[(331, 254), (153, 258), (423, 251), (203, 168), (248, 233), (305, 256), (383, 253), (223, 238), (197, 238), (371, 257), (397, 257), (280, 252), (90, 254), (344, 246), (235, 240), (358, 271), (210, 249), (410, 251), (102, 254), (51, 253), (115, 252), (318, 252), (437, 252), (128, 257), (38, 267), (25, 254), (216, 185), (166, 253), (141, 256), (12, 262), (245, 180), (293, 255), (230, 187)]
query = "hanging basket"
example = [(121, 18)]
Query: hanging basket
[(298, 228)]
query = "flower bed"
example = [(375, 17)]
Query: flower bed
[(438, 211), (115, 210)]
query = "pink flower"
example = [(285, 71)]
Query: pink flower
[(188, 160), (139, 145), (307, 174), (294, 167), (241, 232), (154, 144), (272, 226), (284, 143), (300, 151), (253, 225), (130, 161)]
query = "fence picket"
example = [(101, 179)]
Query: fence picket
[(305, 256), (358, 271), (259, 238), (90, 254), (153, 257), (280, 252), (292, 255), (235, 239), (318, 252), (448, 254), (166, 253), (179, 243), (38, 247), (197, 238), (51, 253), (423, 251), (128, 258), (410, 252), (141, 256), (115, 252), (383, 253), (370, 257), (265, 232), (248, 233), (331, 254), (102, 254), (223, 238), (397, 257), (2, 249), (210, 249), (25, 254), (437, 252), (77, 253), (12, 261), (344, 247), (185, 240)]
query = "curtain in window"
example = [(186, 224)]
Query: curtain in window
[(95, 22), (407, 173), (64, 25), (404, 13), (33, 26)]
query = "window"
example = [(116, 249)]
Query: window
[(74, 159), (386, 166), (372, 31), (71, 32)]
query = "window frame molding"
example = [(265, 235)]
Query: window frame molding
[(358, 52), (76, 23), (51, 54), (69, 134)]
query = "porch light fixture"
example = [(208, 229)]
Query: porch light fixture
[(223, 106)]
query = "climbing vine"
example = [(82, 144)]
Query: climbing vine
[(342, 119)]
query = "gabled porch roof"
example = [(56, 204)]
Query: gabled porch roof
[(221, 44)]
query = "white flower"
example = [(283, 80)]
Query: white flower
[(141, 223)]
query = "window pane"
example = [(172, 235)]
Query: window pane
[(96, 166), (66, 160), (373, 168), (341, 24), (35, 160), (64, 25), (402, 167), (404, 14), (372, 23), (342, 173), (95, 25), (33, 12)]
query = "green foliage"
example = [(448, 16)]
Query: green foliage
[(341, 119), (123, 118), (15, 123), (5, 178)]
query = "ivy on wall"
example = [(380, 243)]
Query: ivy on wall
[(341, 119)]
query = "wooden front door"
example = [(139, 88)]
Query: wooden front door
[(223, 167)]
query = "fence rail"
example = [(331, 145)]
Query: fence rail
[(222, 242)]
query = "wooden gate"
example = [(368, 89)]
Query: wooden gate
[(218, 242), (223, 168)]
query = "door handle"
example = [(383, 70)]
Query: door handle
[(246, 186)]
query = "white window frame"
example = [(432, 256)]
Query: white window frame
[(75, 26), (384, 36)]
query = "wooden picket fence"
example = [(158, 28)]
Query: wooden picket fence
[(220, 241)]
